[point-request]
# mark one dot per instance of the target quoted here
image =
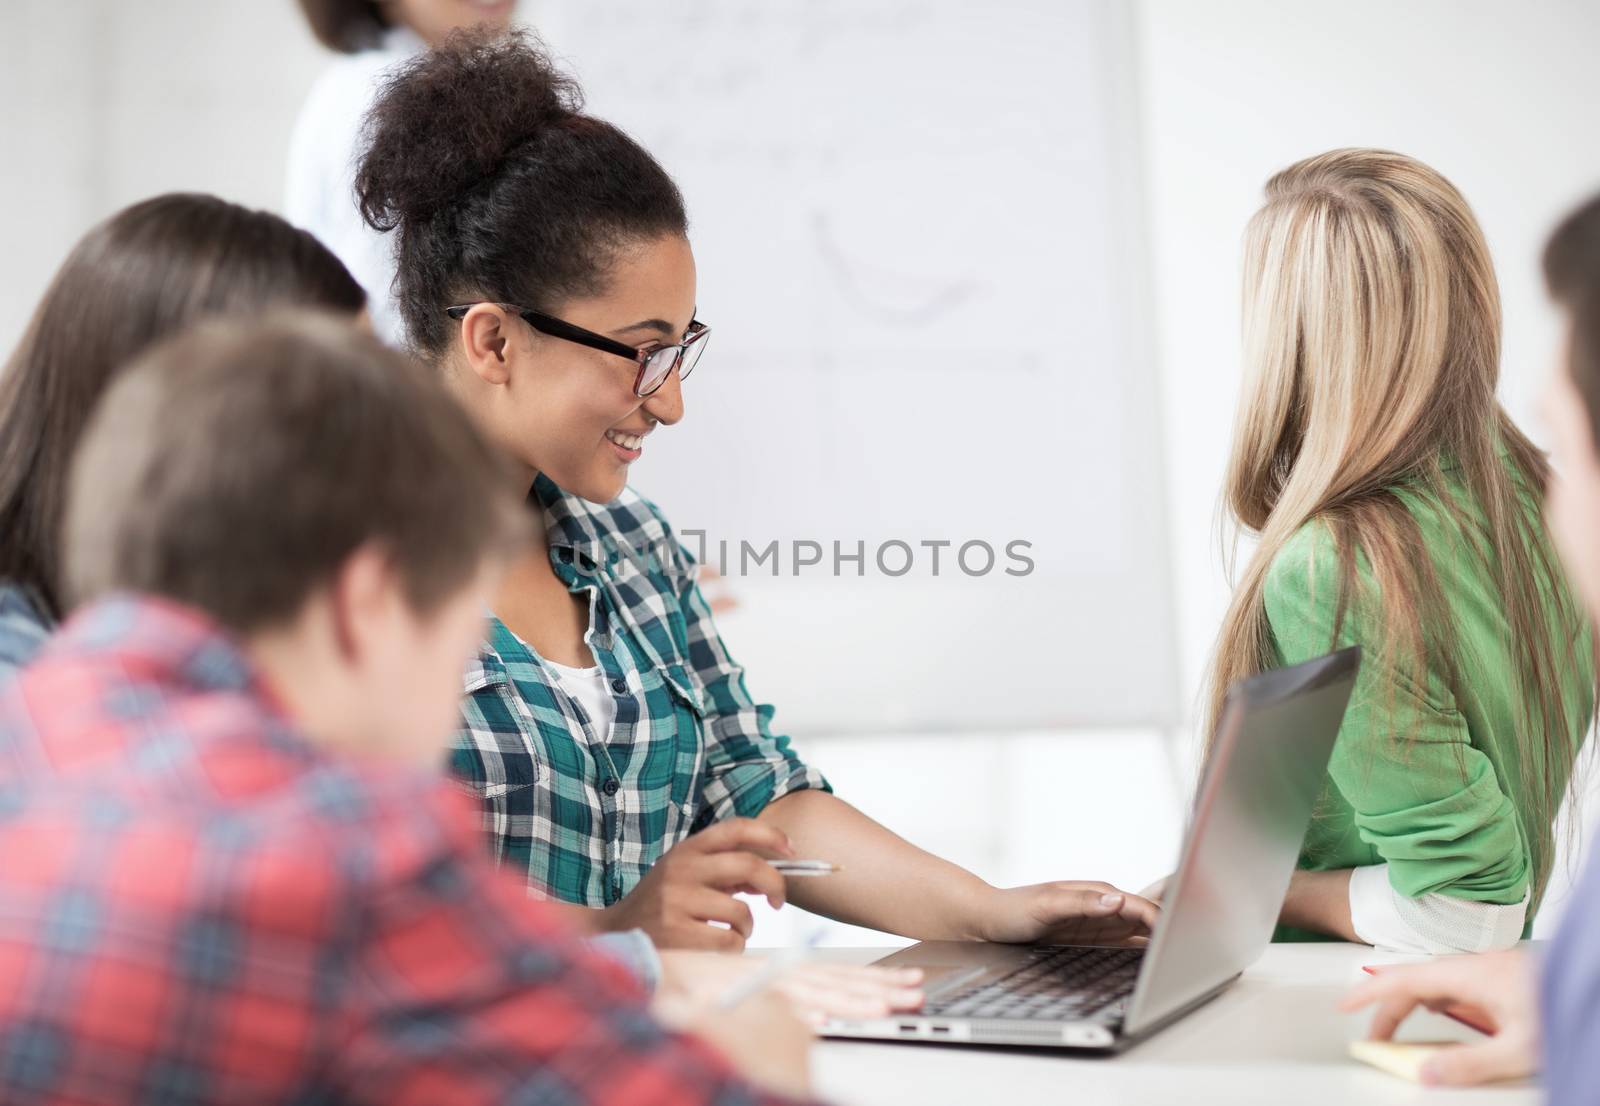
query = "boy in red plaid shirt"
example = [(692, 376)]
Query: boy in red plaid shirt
[(229, 873)]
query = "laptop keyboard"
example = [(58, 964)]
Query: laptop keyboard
[(1057, 983)]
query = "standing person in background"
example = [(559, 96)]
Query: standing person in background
[(371, 36), (545, 270), (142, 275), (1398, 507)]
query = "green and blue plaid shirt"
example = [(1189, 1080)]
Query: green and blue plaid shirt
[(586, 817)]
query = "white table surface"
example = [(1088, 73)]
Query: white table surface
[(1272, 1037)]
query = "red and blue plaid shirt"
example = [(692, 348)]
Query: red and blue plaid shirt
[(198, 906)]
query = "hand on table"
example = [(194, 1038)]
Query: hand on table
[(694, 884), (1499, 985), (815, 990), (763, 1039)]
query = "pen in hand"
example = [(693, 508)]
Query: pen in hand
[(805, 867)]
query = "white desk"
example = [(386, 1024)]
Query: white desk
[(1273, 1037)]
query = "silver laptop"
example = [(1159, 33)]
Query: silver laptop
[(1254, 803)]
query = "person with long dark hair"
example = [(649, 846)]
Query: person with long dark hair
[(147, 272)]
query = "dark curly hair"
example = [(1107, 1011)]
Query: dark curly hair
[(479, 155)]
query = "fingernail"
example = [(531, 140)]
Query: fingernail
[(1110, 900)]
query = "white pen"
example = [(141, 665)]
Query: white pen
[(805, 867)]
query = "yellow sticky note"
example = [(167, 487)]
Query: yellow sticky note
[(1402, 1058)]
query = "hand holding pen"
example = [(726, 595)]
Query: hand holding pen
[(689, 897)]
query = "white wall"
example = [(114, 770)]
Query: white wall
[(108, 102), (969, 273), (1499, 97)]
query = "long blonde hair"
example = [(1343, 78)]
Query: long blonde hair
[(1372, 354)]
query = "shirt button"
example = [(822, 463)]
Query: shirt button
[(620, 686), (611, 787)]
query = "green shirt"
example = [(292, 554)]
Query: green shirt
[(1439, 804)]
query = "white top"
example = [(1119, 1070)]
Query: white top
[(1429, 924), (319, 190), (590, 688)]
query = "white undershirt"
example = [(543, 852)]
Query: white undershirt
[(1433, 923), (589, 687)]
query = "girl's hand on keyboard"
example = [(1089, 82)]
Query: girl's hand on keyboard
[(1157, 890), (1067, 913)]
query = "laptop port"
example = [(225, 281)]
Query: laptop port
[(939, 1030), (905, 1028)]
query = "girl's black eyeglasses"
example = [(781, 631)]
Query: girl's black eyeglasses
[(655, 362)]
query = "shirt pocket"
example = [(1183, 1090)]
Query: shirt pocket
[(677, 741), (495, 755)]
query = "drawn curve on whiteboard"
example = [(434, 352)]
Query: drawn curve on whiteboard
[(895, 295)]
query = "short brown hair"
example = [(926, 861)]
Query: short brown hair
[(1572, 272), (347, 26), (237, 467)]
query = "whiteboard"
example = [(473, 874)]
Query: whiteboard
[(918, 231)]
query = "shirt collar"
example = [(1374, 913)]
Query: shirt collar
[(25, 602), (169, 640), (569, 526), (24, 625)]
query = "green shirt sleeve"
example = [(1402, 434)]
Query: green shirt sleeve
[(1422, 796)]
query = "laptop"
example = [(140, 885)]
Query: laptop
[(1268, 766)]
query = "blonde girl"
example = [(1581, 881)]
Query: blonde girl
[(1396, 505)]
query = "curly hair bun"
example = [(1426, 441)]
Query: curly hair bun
[(445, 122), (497, 187)]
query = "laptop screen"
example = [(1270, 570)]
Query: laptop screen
[(1267, 767)]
